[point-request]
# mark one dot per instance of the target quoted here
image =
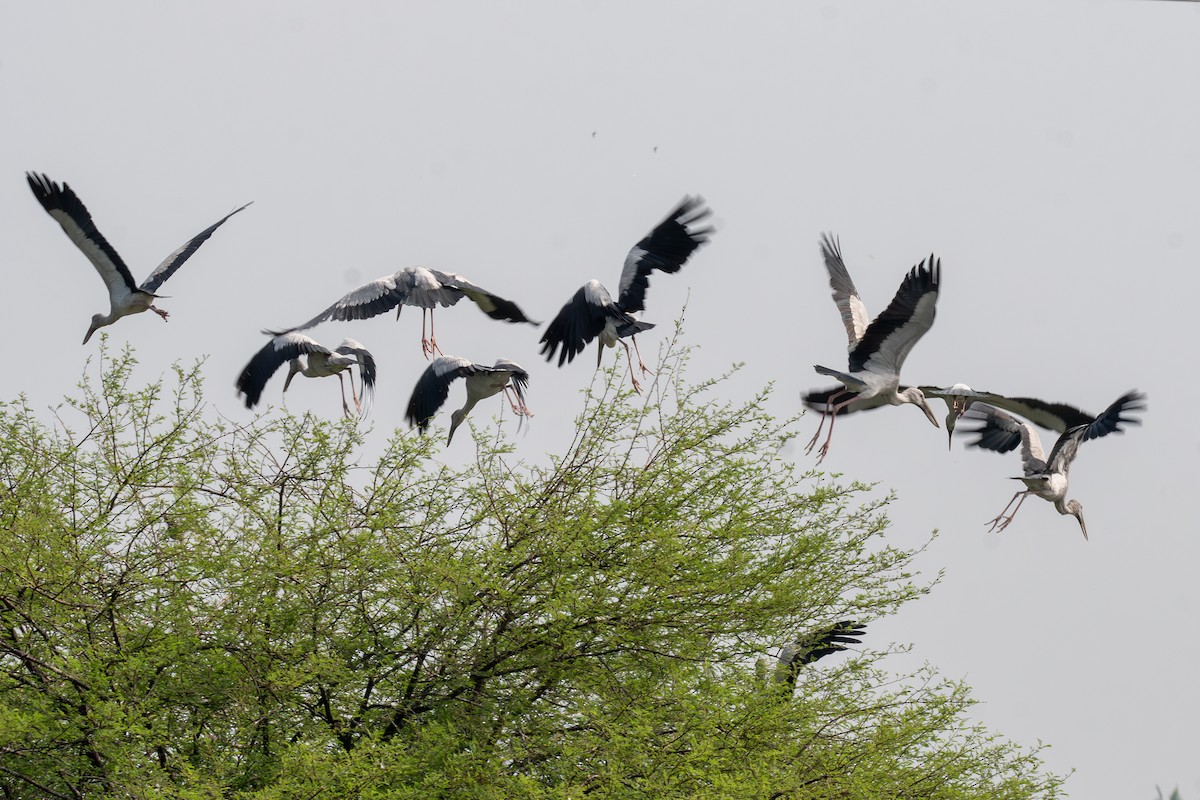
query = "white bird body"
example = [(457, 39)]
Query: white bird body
[(482, 382), (1047, 477), (125, 297), (308, 357), (591, 313), (878, 350), (415, 286)]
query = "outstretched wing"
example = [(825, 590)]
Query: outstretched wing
[(892, 334), (369, 300), (1109, 421), (68, 210), (816, 645), (666, 248), (433, 387), (845, 296), (493, 305), (998, 431), (274, 354), (580, 320), (174, 261), (366, 362)]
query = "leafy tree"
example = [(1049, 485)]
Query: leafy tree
[(193, 608)]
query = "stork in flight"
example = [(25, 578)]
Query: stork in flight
[(959, 397), (310, 358), (592, 313), (125, 297), (878, 350), (415, 286), (1047, 477), (433, 387)]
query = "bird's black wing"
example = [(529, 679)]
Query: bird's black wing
[(893, 333), (816, 645), (433, 387), (366, 362), (1109, 421), (274, 354), (68, 210), (174, 261), (493, 305), (580, 320), (666, 248)]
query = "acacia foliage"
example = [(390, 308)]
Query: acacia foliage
[(195, 608)]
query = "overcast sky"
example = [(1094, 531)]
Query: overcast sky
[(1046, 151)]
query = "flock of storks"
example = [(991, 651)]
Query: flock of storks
[(877, 348)]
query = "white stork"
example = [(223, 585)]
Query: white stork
[(878, 350), (415, 286), (592, 313), (482, 381), (125, 296), (959, 397), (310, 358), (1047, 477)]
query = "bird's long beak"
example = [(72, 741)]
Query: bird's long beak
[(88, 335), (1082, 526), (455, 421), (951, 418), (929, 414)]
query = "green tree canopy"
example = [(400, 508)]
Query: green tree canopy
[(194, 608)]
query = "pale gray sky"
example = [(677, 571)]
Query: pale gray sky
[(1047, 151)]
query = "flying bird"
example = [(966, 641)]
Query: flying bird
[(878, 350), (415, 286), (959, 397), (482, 381), (1047, 477), (307, 357), (125, 296), (1058, 417), (592, 312)]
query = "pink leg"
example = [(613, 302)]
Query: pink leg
[(433, 347), (828, 406), (518, 407), (160, 312), (426, 346), (1001, 522), (641, 363), (342, 386), (353, 391), (637, 387)]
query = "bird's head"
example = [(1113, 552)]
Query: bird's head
[(957, 403), (915, 396), (98, 322), (1075, 509), (294, 366), (456, 419)]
